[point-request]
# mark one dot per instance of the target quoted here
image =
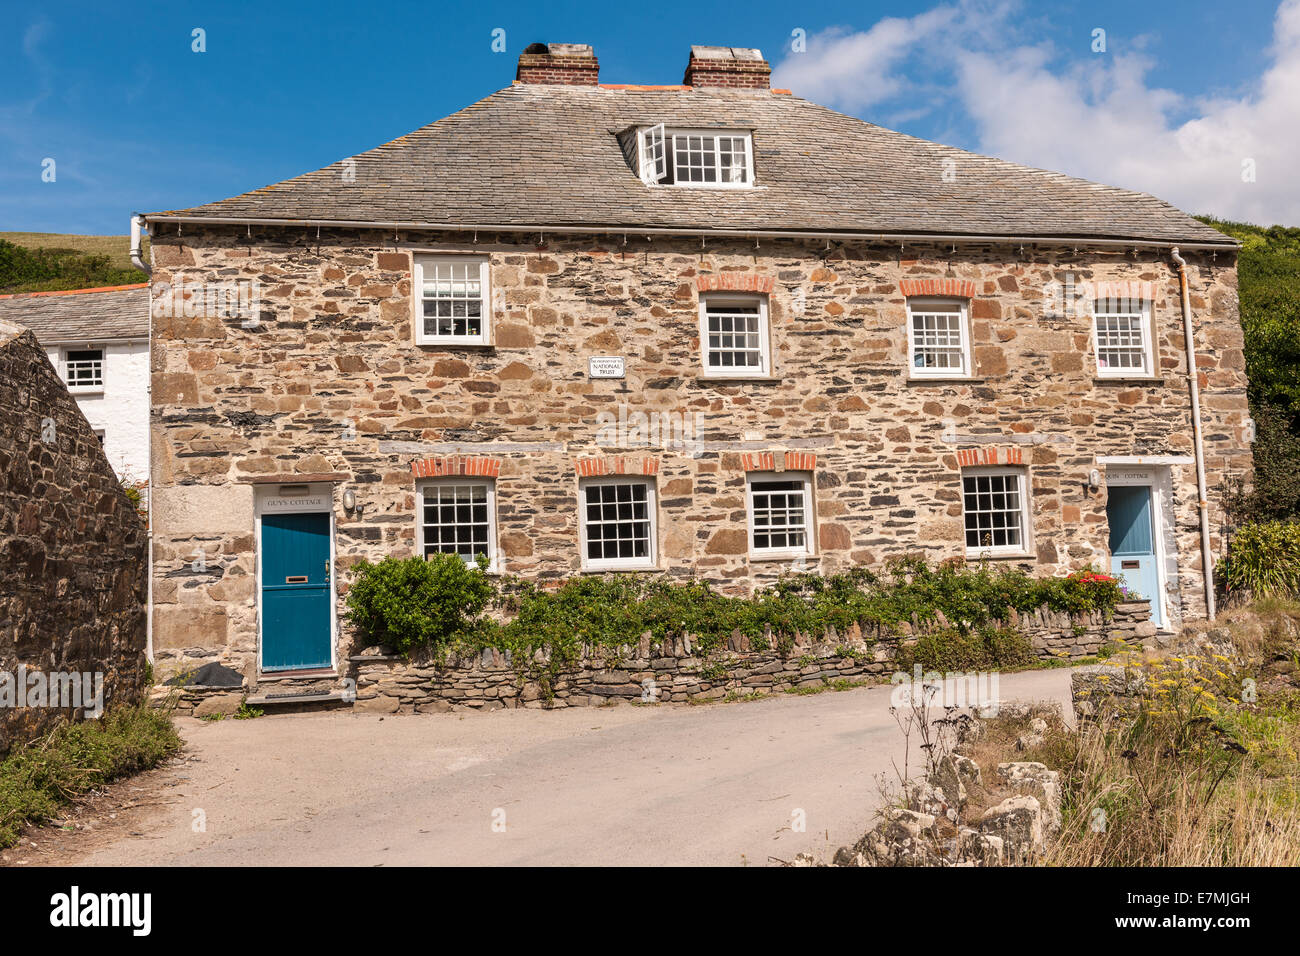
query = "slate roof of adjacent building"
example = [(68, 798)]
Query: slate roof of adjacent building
[(536, 154), (81, 315)]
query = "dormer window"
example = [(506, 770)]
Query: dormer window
[(722, 159)]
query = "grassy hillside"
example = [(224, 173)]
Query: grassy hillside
[(47, 262)]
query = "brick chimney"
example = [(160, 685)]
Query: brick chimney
[(733, 67), (571, 64)]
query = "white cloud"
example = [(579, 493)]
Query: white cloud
[(855, 70), (1096, 117)]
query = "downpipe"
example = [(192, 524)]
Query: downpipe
[(137, 259), (1203, 504), (137, 231)]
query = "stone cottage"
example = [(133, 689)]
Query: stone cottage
[(708, 329), (98, 340)]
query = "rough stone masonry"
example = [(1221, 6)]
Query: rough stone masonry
[(328, 383), (73, 573)]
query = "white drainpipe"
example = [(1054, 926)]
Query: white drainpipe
[(137, 228), (1207, 563), (137, 259)]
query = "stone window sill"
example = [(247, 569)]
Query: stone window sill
[(723, 380), (783, 558), (953, 380), (1001, 556), (644, 569), (1128, 380)]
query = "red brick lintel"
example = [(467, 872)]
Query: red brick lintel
[(456, 465), (790, 461), (735, 282), (958, 288), (969, 457), (615, 465)]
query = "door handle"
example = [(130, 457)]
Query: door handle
[(327, 569)]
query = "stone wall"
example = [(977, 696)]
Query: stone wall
[(73, 578), (330, 382), (674, 673)]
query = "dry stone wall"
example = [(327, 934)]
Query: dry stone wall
[(73, 578), (329, 381), (674, 673)]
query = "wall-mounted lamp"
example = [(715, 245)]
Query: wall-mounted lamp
[(349, 501), (1094, 480)]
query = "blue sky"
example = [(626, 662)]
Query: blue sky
[(1182, 96)]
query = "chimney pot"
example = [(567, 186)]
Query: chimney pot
[(730, 67), (569, 64)]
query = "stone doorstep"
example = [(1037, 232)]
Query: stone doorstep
[(306, 697)]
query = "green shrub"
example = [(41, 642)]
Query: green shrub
[(1263, 561), (414, 604), (989, 648), (45, 269), (1274, 491), (41, 777)]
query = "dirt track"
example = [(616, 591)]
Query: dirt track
[(717, 784)]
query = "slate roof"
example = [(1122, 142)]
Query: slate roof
[(82, 315), (534, 155)]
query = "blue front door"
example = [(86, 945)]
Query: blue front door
[(296, 592), (1132, 542)]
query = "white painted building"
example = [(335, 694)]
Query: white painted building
[(98, 340)]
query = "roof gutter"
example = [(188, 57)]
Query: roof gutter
[(1229, 245), (1193, 382)]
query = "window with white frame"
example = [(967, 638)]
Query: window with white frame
[(654, 155), (995, 505), (734, 336), (458, 516), (696, 157), (937, 339), (618, 523), (454, 300), (83, 368), (1122, 333), (780, 514)]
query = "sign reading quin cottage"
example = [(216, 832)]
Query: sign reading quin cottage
[(606, 366)]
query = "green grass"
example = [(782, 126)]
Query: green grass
[(117, 248), (41, 778), (53, 262)]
